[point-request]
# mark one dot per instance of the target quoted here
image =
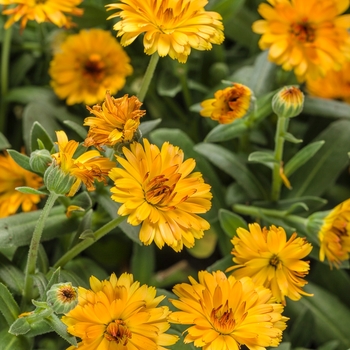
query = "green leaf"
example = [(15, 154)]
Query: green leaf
[(146, 127), (94, 16), (302, 157), (13, 342), (168, 84), (78, 128), (284, 346), (60, 328), (302, 327), (29, 190), (8, 305), (330, 345), (11, 275), (21, 159), (264, 157), (320, 107), (291, 138), (4, 144), (27, 94), (37, 132), (222, 264), (143, 262), (230, 222), (225, 132)]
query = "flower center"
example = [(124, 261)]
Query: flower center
[(66, 294), (37, 2), (303, 32), (94, 67), (275, 261), (118, 332), (222, 319)]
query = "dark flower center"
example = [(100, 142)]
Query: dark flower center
[(94, 67), (303, 32), (275, 261), (118, 332)]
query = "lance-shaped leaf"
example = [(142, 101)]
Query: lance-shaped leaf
[(230, 222), (8, 305), (38, 132)]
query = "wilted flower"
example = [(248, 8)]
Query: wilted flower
[(53, 11), (228, 105), (12, 176), (87, 65), (270, 260), (119, 314), (171, 27), (115, 122), (158, 190), (288, 102), (225, 313), (309, 37)]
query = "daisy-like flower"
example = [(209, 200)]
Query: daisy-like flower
[(334, 235), (158, 190), (226, 313), (85, 169), (53, 11), (12, 176), (87, 65), (309, 37), (119, 314), (171, 27), (228, 105), (116, 121), (270, 260)]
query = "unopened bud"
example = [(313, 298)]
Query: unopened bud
[(57, 181), (62, 297), (288, 102), (40, 160)]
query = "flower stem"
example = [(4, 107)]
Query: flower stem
[(282, 125), (5, 58), (34, 248), (148, 76), (86, 243)]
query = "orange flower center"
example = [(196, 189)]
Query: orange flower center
[(303, 32), (66, 294), (275, 261), (117, 331), (94, 67), (222, 319)]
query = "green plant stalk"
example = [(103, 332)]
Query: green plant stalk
[(282, 125), (34, 248), (182, 74), (148, 76), (86, 243), (5, 58)]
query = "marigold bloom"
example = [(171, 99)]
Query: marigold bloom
[(270, 260), (116, 122), (158, 190), (86, 168), (309, 37), (227, 313), (53, 11), (87, 65), (171, 27), (119, 314), (12, 176), (334, 235), (228, 105)]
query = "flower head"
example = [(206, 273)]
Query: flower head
[(228, 105), (115, 122), (171, 27), (85, 169), (226, 313), (158, 190), (270, 260), (309, 37), (334, 235), (87, 65), (12, 176), (119, 314), (53, 11), (288, 102), (62, 297)]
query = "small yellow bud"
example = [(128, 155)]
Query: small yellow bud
[(62, 297), (288, 102)]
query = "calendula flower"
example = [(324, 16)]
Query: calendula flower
[(116, 121), (226, 313), (288, 102), (334, 85), (270, 260), (119, 314), (170, 27), (158, 190), (228, 105), (12, 176), (87, 65), (309, 37), (85, 169), (54, 11), (334, 235)]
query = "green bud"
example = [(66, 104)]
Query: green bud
[(56, 180), (62, 297), (40, 160), (315, 222), (288, 102)]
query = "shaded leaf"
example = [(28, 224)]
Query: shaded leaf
[(8, 305), (230, 222)]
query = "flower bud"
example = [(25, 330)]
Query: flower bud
[(288, 102), (40, 160), (57, 181), (62, 297)]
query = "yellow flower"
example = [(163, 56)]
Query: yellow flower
[(171, 27), (335, 85), (87, 65), (116, 122), (309, 37), (119, 314), (86, 168), (158, 190), (53, 11), (12, 176), (334, 235), (228, 105), (270, 260), (226, 313)]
